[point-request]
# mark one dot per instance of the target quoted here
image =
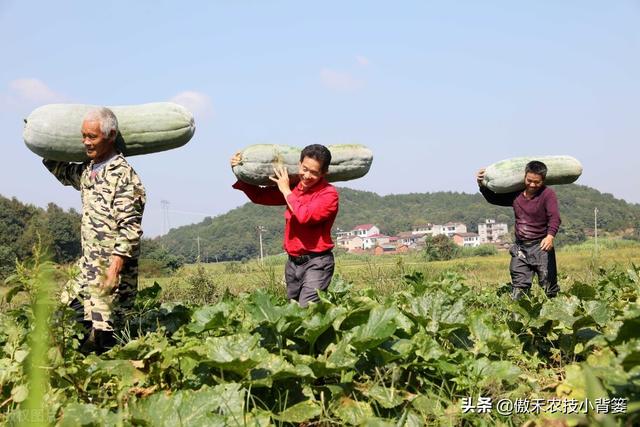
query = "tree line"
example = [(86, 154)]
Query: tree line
[(234, 235)]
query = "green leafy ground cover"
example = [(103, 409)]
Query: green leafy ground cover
[(425, 354)]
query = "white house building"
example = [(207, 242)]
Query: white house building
[(490, 231), (364, 230), (351, 243), (451, 228), (466, 239)]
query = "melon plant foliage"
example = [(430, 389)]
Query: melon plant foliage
[(357, 356)]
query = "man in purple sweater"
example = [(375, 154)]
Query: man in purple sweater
[(537, 222)]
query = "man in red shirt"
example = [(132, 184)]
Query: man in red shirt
[(312, 206), (537, 220)]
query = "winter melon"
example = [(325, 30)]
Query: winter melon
[(53, 131), (348, 161), (507, 175)]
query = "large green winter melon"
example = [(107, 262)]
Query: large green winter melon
[(53, 131), (348, 161), (506, 176)]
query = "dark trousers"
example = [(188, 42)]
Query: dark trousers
[(527, 259), (306, 276)]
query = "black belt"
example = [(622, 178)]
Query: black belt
[(528, 242), (299, 260)]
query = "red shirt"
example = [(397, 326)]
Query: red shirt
[(308, 226)]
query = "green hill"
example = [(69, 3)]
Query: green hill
[(233, 235)]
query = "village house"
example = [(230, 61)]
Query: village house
[(466, 239), (410, 239), (374, 240), (490, 231), (367, 238), (448, 229), (361, 237), (351, 243), (341, 233), (364, 230), (428, 229), (451, 228)]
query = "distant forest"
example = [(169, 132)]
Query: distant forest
[(234, 236)]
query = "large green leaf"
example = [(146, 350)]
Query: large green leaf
[(352, 412), (598, 310), (387, 397), (209, 317), (339, 356), (300, 412), (562, 310), (84, 414), (273, 368), (490, 337), (489, 371), (427, 347), (380, 326), (630, 329), (438, 311), (236, 353), (126, 372), (397, 349), (319, 322), (595, 391), (218, 406)]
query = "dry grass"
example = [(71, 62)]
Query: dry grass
[(385, 273)]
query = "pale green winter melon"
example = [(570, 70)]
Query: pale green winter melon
[(507, 175), (53, 131), (348, 161)]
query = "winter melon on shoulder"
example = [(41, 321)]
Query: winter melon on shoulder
[(348, 161), (53, 131), (507, 175)]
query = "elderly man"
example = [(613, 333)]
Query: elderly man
[(113, 200), (312, 206), (537, 220)]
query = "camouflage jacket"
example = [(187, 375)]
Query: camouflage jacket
[(112, 206)]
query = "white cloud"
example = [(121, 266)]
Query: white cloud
[(338, 80), (27, 92), (362, 60), (196, 102), (33, 90)]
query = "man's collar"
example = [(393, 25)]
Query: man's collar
[(317, 186)]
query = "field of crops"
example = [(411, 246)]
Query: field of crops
[(436, 350)]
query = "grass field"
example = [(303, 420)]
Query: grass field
[(576, 263)]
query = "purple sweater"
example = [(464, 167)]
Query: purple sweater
[(535, 218)]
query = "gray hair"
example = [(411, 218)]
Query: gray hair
[(108, 120)]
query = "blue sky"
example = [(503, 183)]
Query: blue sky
[(435, 89)]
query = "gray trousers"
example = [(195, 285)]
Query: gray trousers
[(306, 279), (527, 259)]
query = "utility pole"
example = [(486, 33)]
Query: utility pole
[(595, 228), (198, 240), (260, 229), (165, 216)]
